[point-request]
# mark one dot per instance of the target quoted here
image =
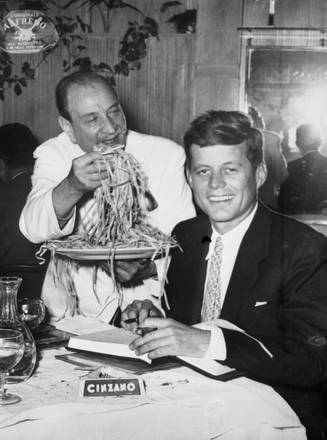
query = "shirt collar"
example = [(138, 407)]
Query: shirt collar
[(237, 232)]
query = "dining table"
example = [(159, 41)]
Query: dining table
[(177, 404)]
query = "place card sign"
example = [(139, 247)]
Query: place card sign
[(112, 387), (27, 31)]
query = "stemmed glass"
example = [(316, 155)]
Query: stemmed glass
[(31, 311), (11, 351)]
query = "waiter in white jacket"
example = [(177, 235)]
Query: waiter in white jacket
[(65, 176)]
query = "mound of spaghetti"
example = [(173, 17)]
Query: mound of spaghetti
[(121, 208)]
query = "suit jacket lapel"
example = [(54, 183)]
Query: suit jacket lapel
[(198, 266), (253, 249)]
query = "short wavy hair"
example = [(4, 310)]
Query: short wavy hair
[(80, 78), (227, 128)]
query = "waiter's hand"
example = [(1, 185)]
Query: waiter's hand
[(138, 311), (87, 171), (85, 175), (171, 339), (134, 271)]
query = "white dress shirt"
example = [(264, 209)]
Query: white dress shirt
[(231, 242)]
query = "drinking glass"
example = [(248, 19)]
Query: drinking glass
[(31, 311), (11, 351), (9, 319)]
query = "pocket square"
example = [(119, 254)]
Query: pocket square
[(260, 303)]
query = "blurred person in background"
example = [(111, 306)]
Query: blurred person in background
[(305, 189), (274, 158), (17, 144)]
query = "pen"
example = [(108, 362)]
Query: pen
[(131, 320), (142, 331)]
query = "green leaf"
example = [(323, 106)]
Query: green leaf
[(83, 63), (18, 89), (29, 72), (137, 65), (152, 26), (7, 71), (103, 65)]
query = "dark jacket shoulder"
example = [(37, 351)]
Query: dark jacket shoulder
[(280, 230)]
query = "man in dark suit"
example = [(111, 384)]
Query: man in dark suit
[(17, 144), (275, 161), (272, 275), (305, 189)]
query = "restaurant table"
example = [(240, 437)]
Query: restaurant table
[(179, 404)]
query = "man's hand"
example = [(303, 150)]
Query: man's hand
[(85, 175), (134, 271), (87, 171), (138, 310), (171, 339)]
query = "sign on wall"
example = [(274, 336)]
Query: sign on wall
[(27, 31)]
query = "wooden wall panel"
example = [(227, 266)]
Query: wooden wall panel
[(217, 37), (255, 13), (301, 13), (217, 55), (35, 107), (119, 18), (220, 93), (182, 75), (157, 99)]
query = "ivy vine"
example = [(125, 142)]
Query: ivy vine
[(133, 47)]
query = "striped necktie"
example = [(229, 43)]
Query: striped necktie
[(211, 306)]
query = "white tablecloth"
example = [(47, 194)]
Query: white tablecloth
[(179, 405)]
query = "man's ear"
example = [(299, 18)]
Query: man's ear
[(261, 174), (189, 177), (67, 127)]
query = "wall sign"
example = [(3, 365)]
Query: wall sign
[(27, 31)]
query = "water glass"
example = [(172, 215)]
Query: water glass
[(11, 352)]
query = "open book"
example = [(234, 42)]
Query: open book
[(115, 342)]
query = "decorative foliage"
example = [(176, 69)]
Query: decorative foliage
[(185, 22), (104, 7), (133, 45), (9, 79)]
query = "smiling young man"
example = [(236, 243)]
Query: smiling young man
[(242, 263), (65, 176)]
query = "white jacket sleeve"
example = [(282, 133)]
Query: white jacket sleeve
[(38, 221), (173, 193)]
